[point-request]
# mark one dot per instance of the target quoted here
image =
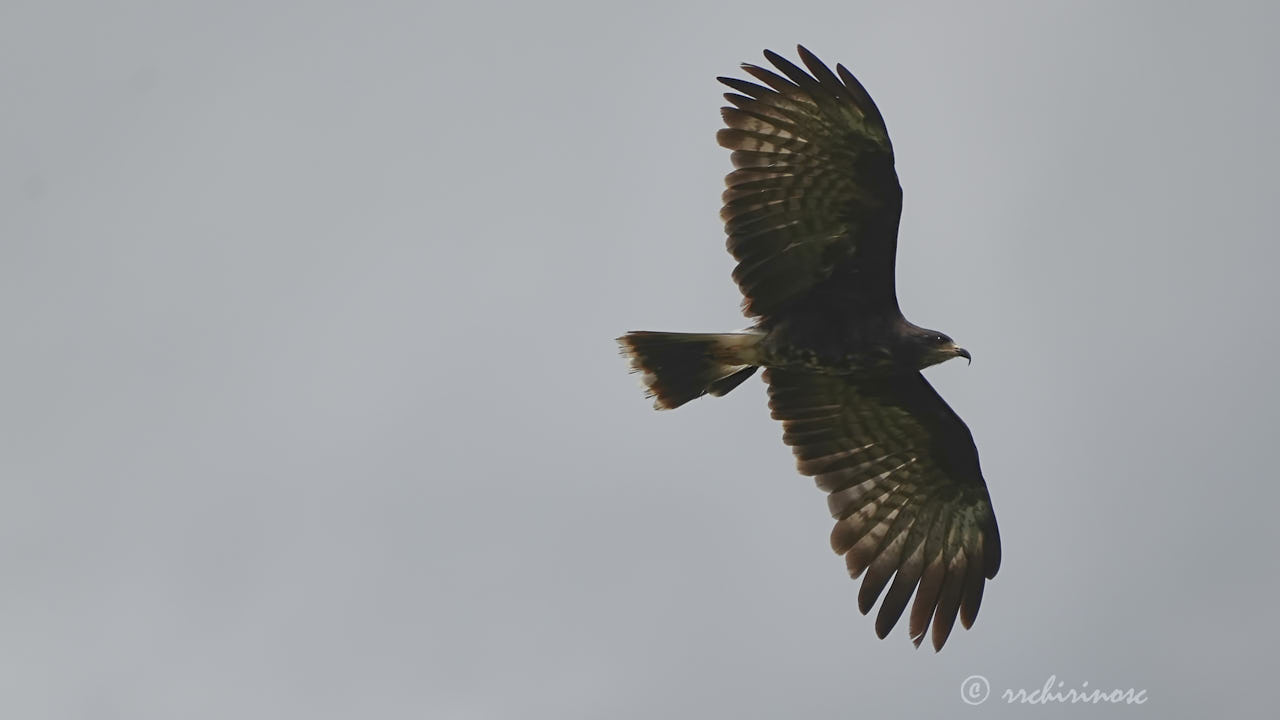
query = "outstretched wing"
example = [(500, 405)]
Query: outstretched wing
[(905, 489), (812, 209)]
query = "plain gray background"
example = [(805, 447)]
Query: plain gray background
[(310, 405)]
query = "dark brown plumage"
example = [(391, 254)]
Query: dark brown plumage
[(812, 209), (811, 212)]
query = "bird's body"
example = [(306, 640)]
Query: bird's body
[(811, 212), (834, 345)]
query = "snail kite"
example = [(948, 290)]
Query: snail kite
[(811, 211)]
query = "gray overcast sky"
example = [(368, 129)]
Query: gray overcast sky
[(310, 404)]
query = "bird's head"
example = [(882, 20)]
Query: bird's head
[(930, 347)]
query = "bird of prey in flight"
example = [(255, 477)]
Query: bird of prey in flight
[(811, 212)]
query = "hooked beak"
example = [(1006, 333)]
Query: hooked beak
[(964, 354)]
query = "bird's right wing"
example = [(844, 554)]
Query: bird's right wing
[(905, 488), (812, 209)]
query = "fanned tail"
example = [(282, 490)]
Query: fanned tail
[(678, 367)]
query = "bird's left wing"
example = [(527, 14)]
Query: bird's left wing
[(905, 488)]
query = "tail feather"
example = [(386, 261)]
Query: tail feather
[(721, 387), (678, 367)]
